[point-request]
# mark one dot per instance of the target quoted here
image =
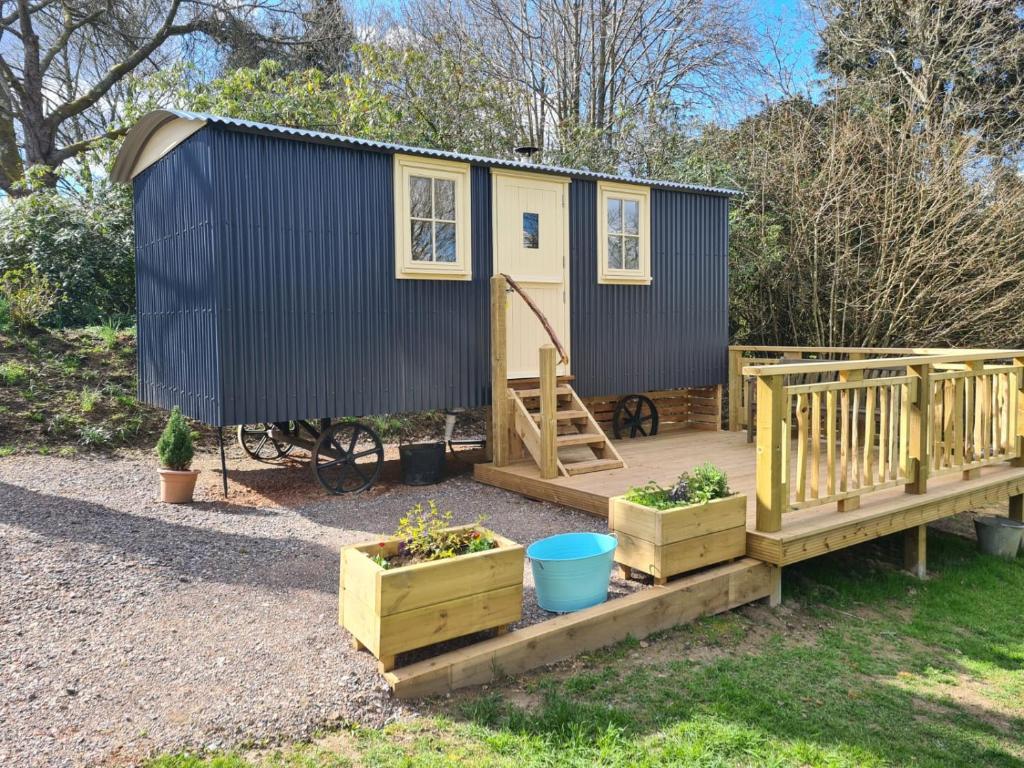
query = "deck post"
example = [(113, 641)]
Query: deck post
[(735, 389), (548, 406), (772, 441), (915, 550), (916, 413), (1017, 508), (500, 422), (852, 502), (775, 585), (1018, 415)]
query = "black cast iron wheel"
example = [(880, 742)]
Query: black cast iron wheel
[(635, 416), (256, 441), (347, 457)]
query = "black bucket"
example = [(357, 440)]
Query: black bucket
[(422, 463)]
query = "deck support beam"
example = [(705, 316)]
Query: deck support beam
[(1017, 508), (915, 550), (775, 586)]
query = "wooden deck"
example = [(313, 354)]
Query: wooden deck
[(805, 533)]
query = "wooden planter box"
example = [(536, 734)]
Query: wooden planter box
[(666, 542), (396, 610)]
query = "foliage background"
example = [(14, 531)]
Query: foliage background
[(882, 197)]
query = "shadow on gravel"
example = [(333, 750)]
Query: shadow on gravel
[(190, 551)]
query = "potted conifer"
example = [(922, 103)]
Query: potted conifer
[(175, 449)]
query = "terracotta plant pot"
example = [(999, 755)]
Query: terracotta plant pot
[(176, 487)]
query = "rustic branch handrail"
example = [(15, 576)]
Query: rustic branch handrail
[(540, 316)]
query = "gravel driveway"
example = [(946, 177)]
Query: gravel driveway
[(129, 627)]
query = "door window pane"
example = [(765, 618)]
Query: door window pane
[(614, 215), (631, 217), (531, 230), (444, 242), (444, 199), (614, 252), (419, 197)]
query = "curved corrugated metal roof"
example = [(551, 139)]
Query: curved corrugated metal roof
[(138, 136)]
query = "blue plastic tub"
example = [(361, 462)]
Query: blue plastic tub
[(571, 570)]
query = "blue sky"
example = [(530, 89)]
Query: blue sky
[(793, 27)]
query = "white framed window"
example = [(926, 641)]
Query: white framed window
[(624, 234), (432, 212)]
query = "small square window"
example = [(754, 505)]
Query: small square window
[(431, 219), (531, 230), (624, 236)]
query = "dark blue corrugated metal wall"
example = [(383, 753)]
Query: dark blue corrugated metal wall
[(315, 323), (176, 279), (671, 333), (266, 290)]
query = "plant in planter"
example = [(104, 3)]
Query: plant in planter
[(666, 531), (175, 449), (428, 583)]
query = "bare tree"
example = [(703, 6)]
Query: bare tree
[(584, 70), (62, 63)]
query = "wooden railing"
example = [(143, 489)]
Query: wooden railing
[(743, 355), (871, 424)]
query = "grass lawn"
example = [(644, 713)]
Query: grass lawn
[(863, 666)]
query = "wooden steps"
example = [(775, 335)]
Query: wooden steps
[(567, 415), (580, 438), (563, 391), (597, 465), (575, 428)]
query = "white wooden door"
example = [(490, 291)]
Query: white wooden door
[(531, 245)]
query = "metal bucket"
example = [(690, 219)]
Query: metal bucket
[(999, 536), (422, 463), (571, 570)]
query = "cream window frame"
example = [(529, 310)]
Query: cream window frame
[(407, 166), (607, 275)]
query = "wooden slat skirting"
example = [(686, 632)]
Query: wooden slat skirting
[(640, 614), (694, 407)]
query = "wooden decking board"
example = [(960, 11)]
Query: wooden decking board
[(805, 533), (640, 614)]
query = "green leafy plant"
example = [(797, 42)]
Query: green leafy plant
[(707, 483), (650, 495), (93, 436), (704, 483), (63, 423), (12, 373), (88, 398), (425, 535), (5, 314), (29, 295), (175, 446), (81, 245), (388, 426)]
